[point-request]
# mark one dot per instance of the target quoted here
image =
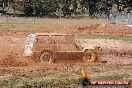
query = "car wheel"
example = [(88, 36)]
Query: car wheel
[(45, 56), (89, 56)]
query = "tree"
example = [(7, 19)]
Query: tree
[(4, 5), (65, 8), (92, 7), (129, 4), (27, 7)]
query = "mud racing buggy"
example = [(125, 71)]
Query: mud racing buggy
[(50, 47)]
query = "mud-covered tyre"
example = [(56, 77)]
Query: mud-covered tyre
[(46, 56), (89, 56)]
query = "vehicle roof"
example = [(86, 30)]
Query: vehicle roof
[(39, 34)]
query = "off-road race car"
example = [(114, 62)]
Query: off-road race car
[(52, 47)]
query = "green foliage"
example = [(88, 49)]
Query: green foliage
[(64, 8), (52, 7)]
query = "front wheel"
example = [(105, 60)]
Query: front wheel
[(89, 56)]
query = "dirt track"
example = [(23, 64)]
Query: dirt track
[(114, 51)]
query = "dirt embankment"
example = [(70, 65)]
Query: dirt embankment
[(116, 29), (112, 29)]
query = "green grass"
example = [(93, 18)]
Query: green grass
[(37, 82), (60, 75), (32, 26), (100, 36), (10, 26), (98, 24)]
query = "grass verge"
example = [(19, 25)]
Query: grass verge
[(31, 26), (60, 76), (100, 36)]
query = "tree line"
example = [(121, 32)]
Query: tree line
[(65, 8)]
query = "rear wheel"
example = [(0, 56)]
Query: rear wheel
[(46, 56), (89, 56)]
